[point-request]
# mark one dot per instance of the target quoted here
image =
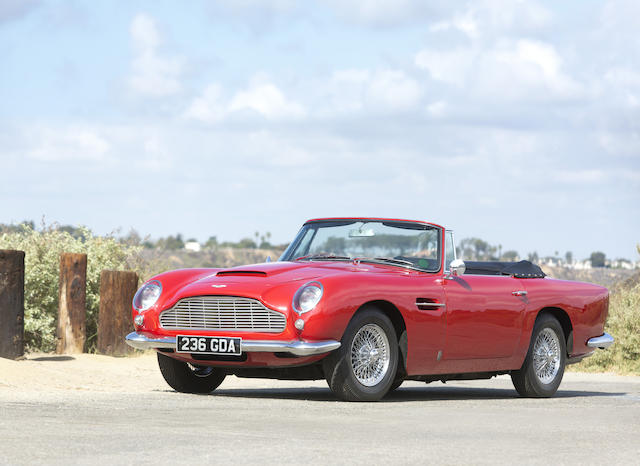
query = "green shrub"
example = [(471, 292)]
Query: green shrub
[(623, 324), (42, 264)]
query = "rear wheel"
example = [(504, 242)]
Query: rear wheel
[(364, 367), (187, 378), (543, 368)]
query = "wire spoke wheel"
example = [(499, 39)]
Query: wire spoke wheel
[(546, 356), (370, 355)]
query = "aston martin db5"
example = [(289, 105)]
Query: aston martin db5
[(367, 303)]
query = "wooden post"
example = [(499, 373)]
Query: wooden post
[(114, 320), (11, 303), (72, 313)]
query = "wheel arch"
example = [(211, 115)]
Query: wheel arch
[(399, 325), (565, 322)]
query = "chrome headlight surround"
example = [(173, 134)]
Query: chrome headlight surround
[(307, 297), (147, 295)]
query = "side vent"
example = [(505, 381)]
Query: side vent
[(429, 304)]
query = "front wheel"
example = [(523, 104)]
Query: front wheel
[(364, 367), (543, 368), (186, 378)]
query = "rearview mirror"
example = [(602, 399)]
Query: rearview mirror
[(361, 233), (457, 268)]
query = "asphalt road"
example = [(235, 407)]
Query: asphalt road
[(594, 419)]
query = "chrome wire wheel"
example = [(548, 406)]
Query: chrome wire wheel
[(546, 356), (370, 355)]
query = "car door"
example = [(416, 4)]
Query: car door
[(484, 316)]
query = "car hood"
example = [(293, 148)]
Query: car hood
[(269, 282)]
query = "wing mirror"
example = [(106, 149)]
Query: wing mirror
[(457, 268)]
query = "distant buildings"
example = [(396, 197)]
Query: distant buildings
[(192, 246)]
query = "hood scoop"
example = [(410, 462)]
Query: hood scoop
[(245, 273)]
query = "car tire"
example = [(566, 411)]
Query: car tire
[(364, 367), (543, 368), (396, 384), (185, 378)]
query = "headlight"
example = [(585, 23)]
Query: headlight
[(147, 295), (307, 297)]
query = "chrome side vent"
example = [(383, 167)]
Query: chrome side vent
[(429, 304)]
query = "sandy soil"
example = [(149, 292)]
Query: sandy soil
[(139, 374), (49, 372)]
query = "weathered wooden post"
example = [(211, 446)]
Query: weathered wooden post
[(11, 303), (72, 313), (114, 319)]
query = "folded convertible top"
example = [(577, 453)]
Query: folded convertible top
[(522, 269)]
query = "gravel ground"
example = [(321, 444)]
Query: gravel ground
[(85, 409)]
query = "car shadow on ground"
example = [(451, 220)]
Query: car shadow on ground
[(52, 358), (400, 395)]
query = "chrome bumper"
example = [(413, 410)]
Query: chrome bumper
[(603, 341), (297, 347)]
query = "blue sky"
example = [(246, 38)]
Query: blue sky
[(514, 121)]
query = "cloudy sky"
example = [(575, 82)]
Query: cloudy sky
[(514, 121)]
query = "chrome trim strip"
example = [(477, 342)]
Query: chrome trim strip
[(297, 347), (603, 341), (428, 304)]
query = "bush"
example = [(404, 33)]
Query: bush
[(623, 324), (42, 264)]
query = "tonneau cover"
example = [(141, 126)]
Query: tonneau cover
[(522, 269)]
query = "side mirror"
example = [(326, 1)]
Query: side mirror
[(457, 268)]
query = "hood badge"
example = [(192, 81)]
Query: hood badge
[(218, 286)]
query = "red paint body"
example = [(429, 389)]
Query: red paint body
[(483, 328)]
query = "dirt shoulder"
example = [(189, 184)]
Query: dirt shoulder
[(49, 372), (140, 374)]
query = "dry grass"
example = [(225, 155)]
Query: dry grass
[(623, 324)]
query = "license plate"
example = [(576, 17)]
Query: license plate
[(208, 345)]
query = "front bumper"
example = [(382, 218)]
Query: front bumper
[(297, 347), (603, 341)]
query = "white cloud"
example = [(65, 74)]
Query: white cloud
[(207, 108), (496, 17), (260, 96), (580, 176), (452, 66), (437, 109), (506, 69), (393, 89), (384, 90), (153, 75), (70, 143), (387, 12), (266, 99)]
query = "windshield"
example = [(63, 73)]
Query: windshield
[(403, 244)]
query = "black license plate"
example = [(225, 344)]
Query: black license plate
[(208, 345)]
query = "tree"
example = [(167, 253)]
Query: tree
[(533, 257), (510, 255), (246, 243), (212, 242), (171, 242), (133, 238), (477, 249), (598, 259), (569, 257)]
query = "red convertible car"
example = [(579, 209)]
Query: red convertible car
[(367, 303)]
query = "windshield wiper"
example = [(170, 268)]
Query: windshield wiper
[(322, 257), (389, 260)]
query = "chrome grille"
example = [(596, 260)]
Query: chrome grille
[(222, 313)]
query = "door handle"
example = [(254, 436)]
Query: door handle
[(519, 293)]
